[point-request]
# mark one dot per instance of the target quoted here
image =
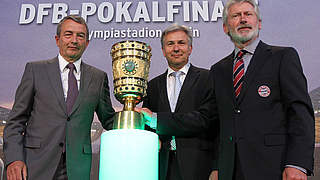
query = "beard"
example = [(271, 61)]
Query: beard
[(241, 39)]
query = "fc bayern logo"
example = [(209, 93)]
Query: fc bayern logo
[(264, 91)]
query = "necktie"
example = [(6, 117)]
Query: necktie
[(72, 88), (238, 72), (176, 90), (174, 100)]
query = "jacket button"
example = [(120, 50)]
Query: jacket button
[(68, 119), (61, 144), (230, 138), (238, 111)]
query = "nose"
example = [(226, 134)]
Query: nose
[(74, 39), (243, 19), (176, 48)]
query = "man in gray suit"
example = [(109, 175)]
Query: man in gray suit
[(47, 135)]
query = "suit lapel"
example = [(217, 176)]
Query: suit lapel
[(190, 79), (258, 59), (227, 76), (53, 72), (85, 79), (163, 91)]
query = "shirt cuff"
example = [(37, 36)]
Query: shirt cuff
[(297, 167), (154, 120)]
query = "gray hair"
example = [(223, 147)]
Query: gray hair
[(176, 27), (232, 2), (75, 18)]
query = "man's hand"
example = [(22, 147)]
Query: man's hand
[(213, 175), (17, 170), (144, 111), (149, 116), (291, 173)]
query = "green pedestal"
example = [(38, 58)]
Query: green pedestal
[(129, 154)]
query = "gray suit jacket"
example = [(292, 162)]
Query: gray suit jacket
[(38, 125)]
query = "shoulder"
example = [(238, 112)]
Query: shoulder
[(40, 64), (277, 50), (158, 78), (223, 62), (198, 69), (96, 71)]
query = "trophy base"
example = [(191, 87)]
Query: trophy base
[(128, 120), (129, 154)]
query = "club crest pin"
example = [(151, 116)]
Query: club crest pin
[(264, 91)]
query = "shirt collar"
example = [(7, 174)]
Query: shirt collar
[(184, 69), (63, 63), (250, 48)]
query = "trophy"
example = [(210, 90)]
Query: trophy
[(128, 147), (130, 66)]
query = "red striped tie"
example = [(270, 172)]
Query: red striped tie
[(238, 72)]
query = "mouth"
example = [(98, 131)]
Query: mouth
[(73, 48), (176, 55), (244, 28)]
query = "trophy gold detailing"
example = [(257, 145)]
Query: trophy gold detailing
[(130, 66)]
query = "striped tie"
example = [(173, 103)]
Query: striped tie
[(238, 72)]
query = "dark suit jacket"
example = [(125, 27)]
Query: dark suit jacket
[(194, 151), (38, 124), (269, 132)]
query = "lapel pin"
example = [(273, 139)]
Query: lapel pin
[(264, 91)]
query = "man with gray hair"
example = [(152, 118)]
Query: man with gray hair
[(181, 88), (47, 135), (265, 112)]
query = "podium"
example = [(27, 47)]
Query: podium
[(129, 154)]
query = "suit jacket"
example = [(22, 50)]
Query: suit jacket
[(267, 132), (194, 151), (38, 125)]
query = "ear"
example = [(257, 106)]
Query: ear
[(259, 25), (164, 54), (57, 39), (190, 50), (87, 43), (225, 29)]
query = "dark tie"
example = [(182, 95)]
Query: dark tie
[(72, 88), (238, 72)]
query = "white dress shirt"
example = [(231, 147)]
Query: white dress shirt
[(171, 81), (64, 71)]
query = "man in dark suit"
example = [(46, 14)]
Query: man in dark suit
[(266, 116), (265, 112), (47, 135), (181, 157)]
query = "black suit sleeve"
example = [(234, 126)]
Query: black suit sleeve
[(300, 114), (19, 117)]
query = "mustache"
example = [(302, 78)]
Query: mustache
[(244, 26)]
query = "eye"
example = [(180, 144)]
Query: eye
[(67, 34), (235, 15), (170, 43), (182, 42), (81, 36)]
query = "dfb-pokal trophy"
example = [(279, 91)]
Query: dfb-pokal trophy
[(128, 151)]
